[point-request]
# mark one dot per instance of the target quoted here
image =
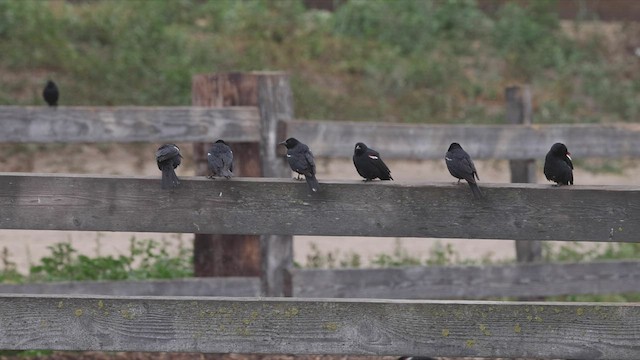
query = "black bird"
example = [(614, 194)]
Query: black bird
[(168, 158), (461, 166), (51, 93), (558, 166), (220, 159), (369, 164), (301, 161)]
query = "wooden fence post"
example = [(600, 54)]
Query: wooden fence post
[(275, 103), (246, 255), (519, 111)]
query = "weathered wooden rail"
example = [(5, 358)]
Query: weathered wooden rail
[(421, 283), (335, 139), (202, 286), (470, 282), (279, 208), (285, 207), (321, 326), (38, 124), (331, 139)]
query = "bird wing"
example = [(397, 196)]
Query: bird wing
[(473, 167), (377, 160), (568, 161), (167, 152), (311, 164), (215, 162), (460, 165)]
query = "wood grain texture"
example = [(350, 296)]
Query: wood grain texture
[(221, 286), (321, 326), (334, 139), (275, 102), (227, 254), (518, 112), (285, 207), (39, 124), (469, 282)]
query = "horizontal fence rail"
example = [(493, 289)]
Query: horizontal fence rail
[(434, 282), (285, 207), (41, 124), (336, 139), (205, 286), (320, 326), (332, 139), (469, 282)]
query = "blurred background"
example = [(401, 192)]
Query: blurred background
[(441, 61)]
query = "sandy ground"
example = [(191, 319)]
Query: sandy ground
[(27, 246)]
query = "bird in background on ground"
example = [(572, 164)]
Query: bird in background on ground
[(369, 164), (168, 158), (220, 160), (558, 166), (51, 93), (301, 161), (461, 166)]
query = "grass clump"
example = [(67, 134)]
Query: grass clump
[(146, 259), (403, 61)]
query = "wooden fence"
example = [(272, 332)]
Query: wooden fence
[(297, 326), (320, 326), (331, 139), (419, 283), (271, 206)]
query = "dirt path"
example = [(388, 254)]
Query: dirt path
[(26, 246)]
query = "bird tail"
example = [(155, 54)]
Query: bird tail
[(312, 182), (475, 190), (169, 177)]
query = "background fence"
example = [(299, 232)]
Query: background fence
[(275, 209)]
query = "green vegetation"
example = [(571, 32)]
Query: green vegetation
[(403, 61), (150, 259), (443, 255), (147, 259)]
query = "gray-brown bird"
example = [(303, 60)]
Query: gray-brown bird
[(220, 160), (301, 161), (558, 166), (51, 93), (168, 158), (461, 166)]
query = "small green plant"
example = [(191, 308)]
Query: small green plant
[(399, 257), (147, 259), (8, 271), (331, 259), (579, 252)]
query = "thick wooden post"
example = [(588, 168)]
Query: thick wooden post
[(240, 255), (226, 255), (522, 171), (275, 102)]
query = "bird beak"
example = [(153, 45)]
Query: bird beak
[(283, 143), (569, 155)]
